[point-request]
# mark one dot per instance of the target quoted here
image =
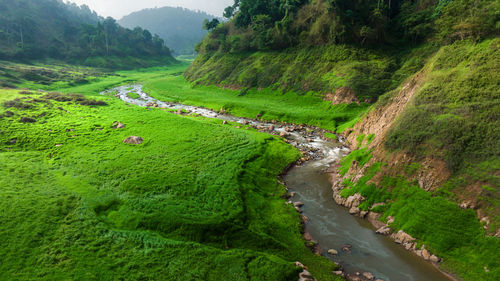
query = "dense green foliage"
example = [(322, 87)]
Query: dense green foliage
[(52, 29), (380, 41), (180, 28), (278, 24), (198, 200)]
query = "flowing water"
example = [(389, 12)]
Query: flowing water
[(329, 224)]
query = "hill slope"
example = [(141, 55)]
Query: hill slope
[(180, 28), (428, 149), (33, 30)]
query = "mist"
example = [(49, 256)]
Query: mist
[(119, 8)]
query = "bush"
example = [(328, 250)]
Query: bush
[(27, 120), (17, 103)]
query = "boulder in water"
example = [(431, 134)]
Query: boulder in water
[(333, 252), (284, 134), (368, 275), (298, 204), (384, 230)]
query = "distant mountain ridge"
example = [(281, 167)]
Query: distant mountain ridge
[(180, 28)]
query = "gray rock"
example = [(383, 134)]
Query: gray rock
[(333, 252), (434, 258), (425, 254), (384, 230), (284, 134), (133, 140), (390, 219), (118, 125), (354, 200), (354, 211), (299, 264), (298, 204), (368, 275), (402, 237)]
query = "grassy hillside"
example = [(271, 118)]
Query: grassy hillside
[(428, 148), (180, 28), (439, 154), (352, 50), (197, 200), (345, 72)]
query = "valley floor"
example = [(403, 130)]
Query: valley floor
[(196, 200)]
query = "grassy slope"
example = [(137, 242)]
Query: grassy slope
[(196, 201), (322, 69), (453, 116)]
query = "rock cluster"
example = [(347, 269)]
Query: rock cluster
[(305, 275), (353, 202)]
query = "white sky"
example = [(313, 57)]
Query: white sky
[(119, 8)]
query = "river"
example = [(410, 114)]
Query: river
[(329, 224)]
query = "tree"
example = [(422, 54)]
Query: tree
[(229, 12), (209, 25)]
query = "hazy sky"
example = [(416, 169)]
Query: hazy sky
[(120, 8)]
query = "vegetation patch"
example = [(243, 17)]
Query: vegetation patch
[(196, 200), (133, 95)]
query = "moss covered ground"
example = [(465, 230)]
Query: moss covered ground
[(197, 200)]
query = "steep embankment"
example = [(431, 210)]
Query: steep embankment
[(340, 73), (426, 161)]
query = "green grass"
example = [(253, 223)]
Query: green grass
[(322, 69), (271, 104), (168, 84), (133, 95), (197, 200)]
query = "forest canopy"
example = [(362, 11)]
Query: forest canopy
[(40, 29), (279, 24)]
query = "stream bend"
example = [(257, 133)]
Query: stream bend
[(328, 224)]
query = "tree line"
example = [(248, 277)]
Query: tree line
[(37, 29), (279, 24)]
